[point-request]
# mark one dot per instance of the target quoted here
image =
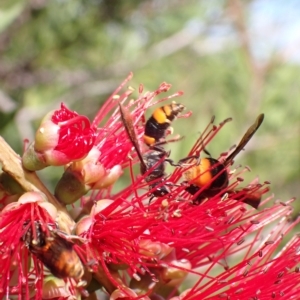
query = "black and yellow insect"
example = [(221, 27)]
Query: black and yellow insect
[(212, 174), (152, 162), (157, 125)]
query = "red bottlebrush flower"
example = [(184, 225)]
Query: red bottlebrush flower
[(146, 240), (112, 139), (141, 236), (16, 267), (139, 244), (28, 227), (74, 129), (104, 164), (63, 137)]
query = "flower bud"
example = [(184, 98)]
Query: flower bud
[(150, 248), (89, 170), (110, 177), (100, 206), (70, 187), (32, 197), (178, 271), (62, 137), (83, 225), (84, 175), (47, 135)]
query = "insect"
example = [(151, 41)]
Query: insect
[(153, 162), (157, 125), (54, 251), (212, 173)]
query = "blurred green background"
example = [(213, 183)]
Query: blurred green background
[(231, 58)]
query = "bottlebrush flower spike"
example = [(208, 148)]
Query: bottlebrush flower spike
[(62, 137), (112, 139), (140, 236), (143, 238), (135, 248), (258, 273), (16, 267), (104, 164)]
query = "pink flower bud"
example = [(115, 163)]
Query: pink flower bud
[(154, 249), (62, 137), (84, 175), (88, 170), (178, 270), (83, 225), (100, 205), (111, 176), (47, 135), (32, 197)]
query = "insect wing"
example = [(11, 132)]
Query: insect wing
[(245, 139)]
